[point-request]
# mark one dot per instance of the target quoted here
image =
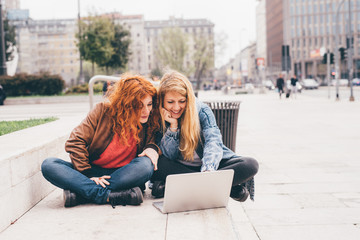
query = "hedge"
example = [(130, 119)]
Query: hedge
[(84, 88), (24, 84)]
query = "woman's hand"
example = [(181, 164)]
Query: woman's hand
[(167, 117), (101, 180), (152, 154)]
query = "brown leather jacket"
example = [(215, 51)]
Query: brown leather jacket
[(90, 139)]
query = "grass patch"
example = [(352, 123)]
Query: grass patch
[(12, 126)]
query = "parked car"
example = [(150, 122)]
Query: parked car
[(249, 87), (310, 84), (342, 82), (356, 82), (269, 85), (298, 85)]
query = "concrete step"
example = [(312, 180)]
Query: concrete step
[(22, 153)]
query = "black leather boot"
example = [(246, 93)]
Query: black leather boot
[(158, 189), (239, 193), (131, 196), (142, 188), (72, 199)]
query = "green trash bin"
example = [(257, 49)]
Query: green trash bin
[(226, 115)]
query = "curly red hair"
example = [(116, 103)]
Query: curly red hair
[(125, 107)]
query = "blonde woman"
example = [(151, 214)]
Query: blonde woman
[(192, 141)]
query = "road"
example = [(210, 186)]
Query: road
[(344, 92)]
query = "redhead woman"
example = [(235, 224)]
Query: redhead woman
[(192, 141), (112, 151)]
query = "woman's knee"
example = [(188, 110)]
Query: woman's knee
[(253, 165), (48, 164), (51, 165), (146, 166)]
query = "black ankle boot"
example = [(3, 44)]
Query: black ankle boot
[(158, 189), (131, 196), (239, 193), (142, 188), (72, 199)]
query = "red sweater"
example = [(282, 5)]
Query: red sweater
[(116, 154)]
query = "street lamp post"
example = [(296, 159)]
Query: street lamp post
[(3, 70), (350, 53), (337, 57), (81, 74)]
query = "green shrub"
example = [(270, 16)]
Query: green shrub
[(84, 88), (24, 84)]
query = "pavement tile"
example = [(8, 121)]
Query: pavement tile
[(309, 232)]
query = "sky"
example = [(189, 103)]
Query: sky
[(234, 19)]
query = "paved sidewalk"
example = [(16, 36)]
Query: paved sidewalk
[(307, 186)]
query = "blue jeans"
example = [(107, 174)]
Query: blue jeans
[(63, 175)]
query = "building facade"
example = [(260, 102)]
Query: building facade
[(261, 30), (274, 34), (135, 25), (312, 25), (48, 46), (12, 4), (190, 27)]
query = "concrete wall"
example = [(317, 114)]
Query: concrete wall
[(21, 154)]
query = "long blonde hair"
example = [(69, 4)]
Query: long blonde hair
[(173, 81)]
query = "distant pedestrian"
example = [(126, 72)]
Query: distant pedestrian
[(2, 95), (293, 82), (280, 85)]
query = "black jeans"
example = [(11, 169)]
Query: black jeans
[(244, 168)]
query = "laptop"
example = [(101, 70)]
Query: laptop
[(196, 191)]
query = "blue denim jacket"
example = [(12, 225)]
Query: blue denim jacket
[(210, 149)]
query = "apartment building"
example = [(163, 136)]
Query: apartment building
[(48, 46), (191, 27), (312, 25), (274, 34), (12, 4), (261, 30), (135, 25)]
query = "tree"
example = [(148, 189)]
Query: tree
[(95, 40), (120, 44), (10, 41), (172, 49), (203, 57)]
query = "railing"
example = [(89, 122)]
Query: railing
[(92, 82)]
